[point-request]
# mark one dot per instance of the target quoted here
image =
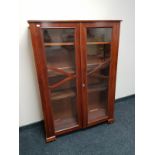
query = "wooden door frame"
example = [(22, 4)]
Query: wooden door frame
[(113, 68), (39, 54)]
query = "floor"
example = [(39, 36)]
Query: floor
[(114, 139)]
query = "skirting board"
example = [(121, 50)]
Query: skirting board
[(40, 123)]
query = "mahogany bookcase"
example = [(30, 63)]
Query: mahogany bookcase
[(76, 64)]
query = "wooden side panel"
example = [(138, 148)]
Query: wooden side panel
[(113, 70), (42, 79)]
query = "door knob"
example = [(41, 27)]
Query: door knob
[(83, 85)]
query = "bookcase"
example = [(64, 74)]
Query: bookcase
[(76, 64)]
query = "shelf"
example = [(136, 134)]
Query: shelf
[(71, 93), (94, 60), (59, 44), (95, 88), (52, 73), (64, 123), (71, 70), (98, 43), (95, 65), (98, 76), (72, 43), (96, 114), (60, 64), (62, 94)]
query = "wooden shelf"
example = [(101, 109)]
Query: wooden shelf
[(72, 43), (98, 43), (62, 94), (93, 60), (97, 87), (71, 93), (59, 44), (64, 123), (96, 114), (95, 64), (69, 70)]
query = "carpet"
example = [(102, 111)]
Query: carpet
[(104, 139)]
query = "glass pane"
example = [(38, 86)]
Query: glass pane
[(97, 93), (60, 58), (58, 35), (99, 34), (98, 53), (63, 102), (98, 62), (97, 105)]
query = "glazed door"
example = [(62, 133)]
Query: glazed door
[(61, 49), (97, 50)]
